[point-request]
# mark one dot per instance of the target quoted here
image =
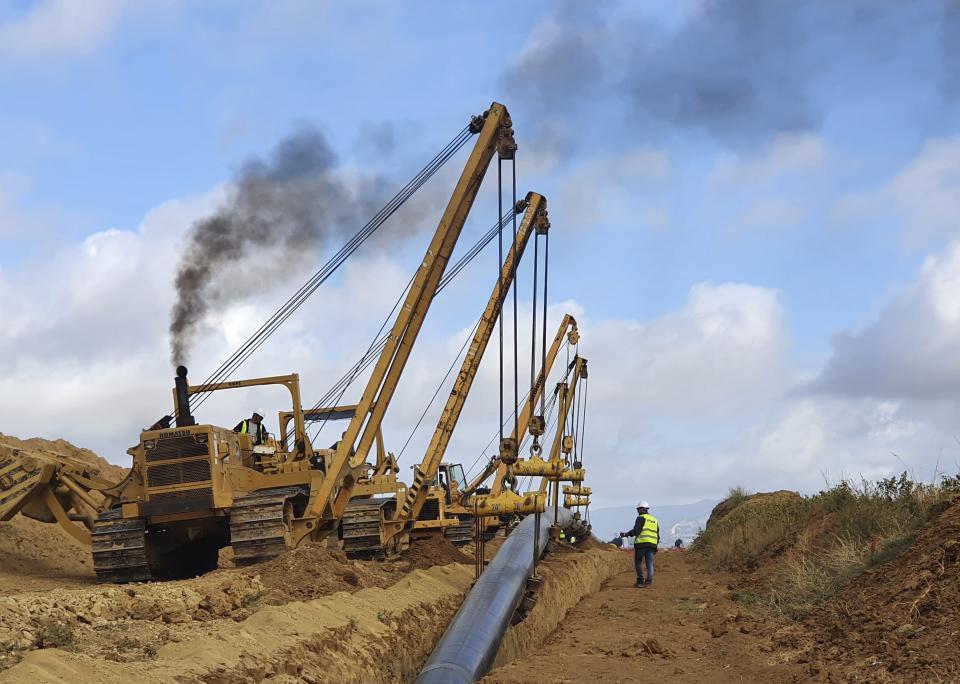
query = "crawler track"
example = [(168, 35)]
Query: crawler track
[(463, 532), (360, 527), (120, 549), (258, 529)]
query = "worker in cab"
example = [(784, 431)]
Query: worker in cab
[(646, 534), (336, 445), (446, 487), (254, 427)]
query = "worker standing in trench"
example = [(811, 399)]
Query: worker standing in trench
[(646, 533)]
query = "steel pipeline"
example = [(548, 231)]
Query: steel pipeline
[(469, 646)]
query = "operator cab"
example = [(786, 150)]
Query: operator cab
[(450, 477)]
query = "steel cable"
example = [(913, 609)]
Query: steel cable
[(440, 386), (380, 340), (235, 360)]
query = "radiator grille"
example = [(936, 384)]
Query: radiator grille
[(183, 494), (430, 510), (178, 473), (176, 447)]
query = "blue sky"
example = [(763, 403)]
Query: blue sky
[(714, 171)]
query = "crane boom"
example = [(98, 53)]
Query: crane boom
[(495, 135), (567, 329), (534, 220), (568, 392)]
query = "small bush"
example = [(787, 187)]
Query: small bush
[(950, 485), (820, 541), (737, 496), (126, 644), (57, 635)]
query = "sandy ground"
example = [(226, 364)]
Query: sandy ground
[(685, 628)]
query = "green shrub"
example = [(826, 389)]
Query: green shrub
[(818, 543), (57, 635)]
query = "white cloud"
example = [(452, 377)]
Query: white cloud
[(910, 350), (770, 213), (612, 187), (927, 191), (61, 28), (787, 153), (686, 404), (815, 441), (924, 195), (725, 344)]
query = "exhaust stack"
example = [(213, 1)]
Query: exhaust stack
[(184, 418)]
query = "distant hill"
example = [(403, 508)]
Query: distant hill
[(681, 521)]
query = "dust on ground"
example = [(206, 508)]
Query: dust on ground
[(685, 627)]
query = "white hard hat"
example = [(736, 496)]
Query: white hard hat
[(260, 412), (643, 504)]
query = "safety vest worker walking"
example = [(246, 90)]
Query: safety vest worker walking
[(646, 533)]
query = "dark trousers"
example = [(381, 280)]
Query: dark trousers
[(643, 555)]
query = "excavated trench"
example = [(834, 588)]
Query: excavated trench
[(569, 576), (218, 631)]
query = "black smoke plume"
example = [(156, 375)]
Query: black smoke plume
[(737, 70), (279, 213)]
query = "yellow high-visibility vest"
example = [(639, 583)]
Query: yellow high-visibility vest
[(650, 532), (258, 433)]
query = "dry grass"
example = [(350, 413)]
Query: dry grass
[(815, 544)]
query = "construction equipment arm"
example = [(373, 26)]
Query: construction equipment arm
[(534, 220), (568, 393), (567, 329), (495, 135), (53, 489)]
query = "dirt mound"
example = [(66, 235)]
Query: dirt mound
[(744, 533), (313, 570), (122, 622), (750, 503), (430, 551), (99, 467), (33, 550), (899, 621)]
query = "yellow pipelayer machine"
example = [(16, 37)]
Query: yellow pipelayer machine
[(194, 489)]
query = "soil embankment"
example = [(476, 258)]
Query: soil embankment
[(900, 620)]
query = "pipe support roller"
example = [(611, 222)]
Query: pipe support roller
[(508, 503)]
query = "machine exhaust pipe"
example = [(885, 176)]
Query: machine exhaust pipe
[(184, 418), (470, 644)]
